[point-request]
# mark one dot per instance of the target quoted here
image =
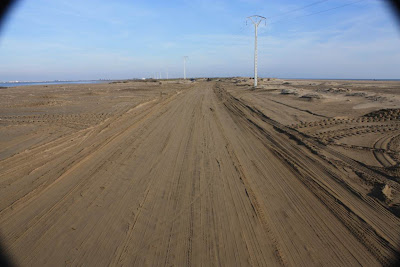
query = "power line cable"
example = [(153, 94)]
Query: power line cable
[(318, 12), (297, 9), (311, 14), (288, 12)]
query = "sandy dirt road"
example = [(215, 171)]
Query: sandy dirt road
[(195, 177)]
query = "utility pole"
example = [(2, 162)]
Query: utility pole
[(184, 66), (256, 20)]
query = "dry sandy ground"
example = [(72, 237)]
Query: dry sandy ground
[(204, 173)]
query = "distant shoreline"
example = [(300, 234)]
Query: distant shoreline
[(15, 84)]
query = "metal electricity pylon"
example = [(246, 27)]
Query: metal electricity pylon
[(256, 20), (184, 66)]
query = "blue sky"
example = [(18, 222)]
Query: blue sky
[(94, 39)]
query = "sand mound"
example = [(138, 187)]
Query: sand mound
[(333, 90), (384, 113), (311, 96), (362, 94), (377, 98), (289, 92), (382, 192)]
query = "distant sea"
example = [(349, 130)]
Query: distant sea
[(14, 84)]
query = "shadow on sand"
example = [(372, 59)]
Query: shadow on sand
[(5, 259)]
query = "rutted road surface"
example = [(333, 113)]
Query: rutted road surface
[(193, 178)]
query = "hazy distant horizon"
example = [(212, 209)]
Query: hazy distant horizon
[(22, 83)]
